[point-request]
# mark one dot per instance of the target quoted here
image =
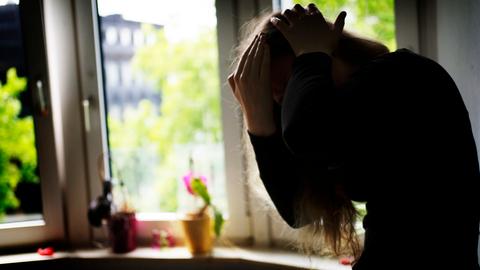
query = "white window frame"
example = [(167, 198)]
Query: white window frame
[(51, 227)]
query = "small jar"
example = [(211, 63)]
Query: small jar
[(122, 227)]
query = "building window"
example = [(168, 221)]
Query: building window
[(126, 37), (111, 35), (138, 38), (126, 72), (112, 74)]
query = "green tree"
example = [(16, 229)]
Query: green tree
[(18, 156), (372, 18), (186, 75)]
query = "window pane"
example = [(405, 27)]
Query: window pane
[(20, 193), (164, 108)]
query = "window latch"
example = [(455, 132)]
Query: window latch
[(86, 112), (41, 98)]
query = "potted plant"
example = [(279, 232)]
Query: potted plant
[(197, 226)]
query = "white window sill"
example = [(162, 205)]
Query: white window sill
[(272, 257)]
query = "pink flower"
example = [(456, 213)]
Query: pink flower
[(188, 178)]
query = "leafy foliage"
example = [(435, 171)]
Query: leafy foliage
[(218, 221), (145, 143), (18, 156), (186, 72), (200, 189)]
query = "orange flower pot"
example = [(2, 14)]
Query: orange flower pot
[(197, 231)]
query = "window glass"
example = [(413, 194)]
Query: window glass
[(168, 112), (20, 192)]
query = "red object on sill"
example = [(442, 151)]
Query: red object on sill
[(48, 251), (346, 261), (123, 232)]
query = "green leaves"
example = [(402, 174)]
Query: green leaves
[(200, 189), (218, 222), (18, 156)]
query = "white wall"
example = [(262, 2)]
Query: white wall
[(458, 36), (458, 48)]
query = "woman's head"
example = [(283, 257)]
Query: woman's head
[(351, 52), (281, 54)]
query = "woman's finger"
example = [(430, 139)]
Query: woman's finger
[(312, 9), (257, 59), (299, 10), (339, 23), (280, 25), (244, 58), (265, 66), (249, 61), (290, 15)]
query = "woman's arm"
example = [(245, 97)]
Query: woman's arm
[(279, 174), (308, 117)]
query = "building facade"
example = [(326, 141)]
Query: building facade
[(125, 87)]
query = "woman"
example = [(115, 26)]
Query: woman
[(334, 118)]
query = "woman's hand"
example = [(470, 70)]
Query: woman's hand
[(307, 31), (251, 86)]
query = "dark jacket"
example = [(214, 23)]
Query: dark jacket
[(396, 136)]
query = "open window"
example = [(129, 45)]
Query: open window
[(30, 197), (159, 107)]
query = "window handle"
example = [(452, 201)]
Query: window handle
[(41, 98), (86, 112)]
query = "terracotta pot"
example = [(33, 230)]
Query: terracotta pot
[(197, 232)]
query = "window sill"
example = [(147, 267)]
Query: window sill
[(273, 258)]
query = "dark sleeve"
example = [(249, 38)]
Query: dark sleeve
[(308, 118), (286, 159), (278, 172)]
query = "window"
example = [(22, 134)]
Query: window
[(136, 154), (138, 38), (125, 37), (28, 171), (111, 35), (127, 75), (74, 38), (112, 74), (20, 194), (153, 140)]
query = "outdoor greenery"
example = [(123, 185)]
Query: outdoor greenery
[(186, 74), (18, 156), (371, 18)]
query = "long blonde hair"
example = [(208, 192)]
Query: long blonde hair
[(329, 213)]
